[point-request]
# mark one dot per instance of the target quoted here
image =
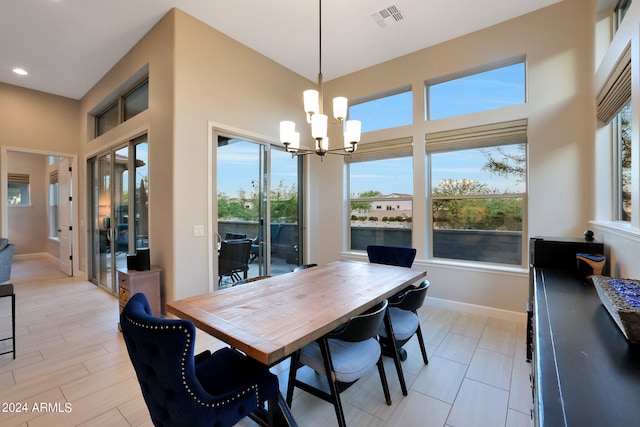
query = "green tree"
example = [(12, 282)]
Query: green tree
[(364, 206), (502, 163)]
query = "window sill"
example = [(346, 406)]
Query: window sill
[(20, 206), (619, 228), (452, 264)]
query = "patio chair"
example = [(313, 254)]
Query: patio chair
[(233, 259)]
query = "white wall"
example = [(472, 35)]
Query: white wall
[(621, 239), (28, 227), (558, 43)]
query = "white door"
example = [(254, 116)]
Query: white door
[(64, 215)]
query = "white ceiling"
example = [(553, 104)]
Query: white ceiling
[(68, 45)]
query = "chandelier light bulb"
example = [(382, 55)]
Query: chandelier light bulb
[(319, 126), (311, 104), (340, 105)]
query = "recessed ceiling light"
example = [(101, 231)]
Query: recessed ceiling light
[(20, 71)]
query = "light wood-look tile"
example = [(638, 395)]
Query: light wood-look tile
[(69, 350), (479, 405)]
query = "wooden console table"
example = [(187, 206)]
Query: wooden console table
[(147, 282)]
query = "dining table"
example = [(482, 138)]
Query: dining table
[(270, 319)]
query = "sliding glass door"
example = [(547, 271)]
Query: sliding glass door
[(257, 189), (119, 212)]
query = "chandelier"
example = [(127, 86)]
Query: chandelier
[(313, 107)]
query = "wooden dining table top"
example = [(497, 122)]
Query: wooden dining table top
[(270, 319)]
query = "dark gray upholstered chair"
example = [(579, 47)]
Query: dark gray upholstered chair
[(6, 289), (399, 256), (349, 352), (405, 321), (181, 389)]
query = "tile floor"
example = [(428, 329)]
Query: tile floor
[(69, 350)]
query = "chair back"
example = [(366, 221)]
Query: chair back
[(161, 351), (249, 280), (362, 326), (304, 267), (391, 255), (411, 298), (6, 258), (234, 236), (234, 256)]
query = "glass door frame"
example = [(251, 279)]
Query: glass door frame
[(105, 217), (264, 196)]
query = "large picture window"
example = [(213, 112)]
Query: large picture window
[(478, 193), (381, 195)]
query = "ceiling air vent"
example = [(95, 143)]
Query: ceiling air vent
[(389, 15)]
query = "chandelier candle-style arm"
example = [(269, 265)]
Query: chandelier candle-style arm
[(313, 107)]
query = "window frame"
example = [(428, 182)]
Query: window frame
[(120, 104), (19, 179), (382, 150), (53, 202), (484, 136), (377, 97), (493, 66)]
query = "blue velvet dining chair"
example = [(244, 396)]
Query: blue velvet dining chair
[(391, 255), (181, 389)]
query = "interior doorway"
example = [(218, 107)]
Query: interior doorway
[(33, 216)]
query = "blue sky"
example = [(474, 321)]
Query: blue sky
[(238, 163)]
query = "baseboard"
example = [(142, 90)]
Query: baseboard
[(35, 255), (513, 316)]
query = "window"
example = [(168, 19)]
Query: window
[(478, 193), (18, 189), (620, 11), (494, 88), (614, 107), (381, 195), (384, 112), (622, 148), (124, 108), (53, 204)]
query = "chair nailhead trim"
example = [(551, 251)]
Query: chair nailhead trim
[(252, 388)]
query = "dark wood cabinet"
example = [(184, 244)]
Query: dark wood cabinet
[(584, 371), (146, 282)]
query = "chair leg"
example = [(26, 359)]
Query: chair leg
[(422, 347), (394, 353), (328, 369), (292, 376), (383, 380), (13, 323)]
